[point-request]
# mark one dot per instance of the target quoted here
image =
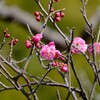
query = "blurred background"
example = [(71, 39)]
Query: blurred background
[(15, 20)]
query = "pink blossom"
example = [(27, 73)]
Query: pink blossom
[(78, 45), (51, 43), (49, 51), (28, 44), (37, 38), (96, 48), (64, 68), (57, 54)]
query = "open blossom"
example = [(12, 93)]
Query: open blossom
[(96, 48), (78, 45), (37, 38), (49, 51)]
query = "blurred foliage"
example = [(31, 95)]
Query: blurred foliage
[(73, 18)]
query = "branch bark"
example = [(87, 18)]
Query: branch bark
[(95, 21)]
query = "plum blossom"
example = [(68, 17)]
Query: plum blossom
[(57, 54), (96, 47), (49, 51), (78, 45), (37, 38), (28, 44)]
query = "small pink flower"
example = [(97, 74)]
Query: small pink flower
[(38, 45), (62, 14), (58, 19), (78, 45), (37, 38), (96, 48), (57, 14), (49, 51), (7, 35), (28, 44), (57, 0), (37, 13), (38, 18), (64, 68), (52, 10)]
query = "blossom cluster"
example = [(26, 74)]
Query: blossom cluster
[(7, 35), (96, 47), (35, 39), (63, 67), (80, 46), (49, 51)]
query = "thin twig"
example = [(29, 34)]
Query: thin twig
[(58, 95), (93, 89), (29, 57)]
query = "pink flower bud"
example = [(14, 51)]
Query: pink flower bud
[(37, 13), (28, 44), (37, 38), (57, 54), (57, 14), (52, 10), (58, 19), (7, 35), (54, 63), (64, 68), (62, 58), (51, 43), (38, 18), (37, 45), (62, 14), (57, 0), (14, 42)]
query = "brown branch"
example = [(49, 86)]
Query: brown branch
[(95, 20), (45, 84)]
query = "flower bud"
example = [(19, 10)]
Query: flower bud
[(28, 44)]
